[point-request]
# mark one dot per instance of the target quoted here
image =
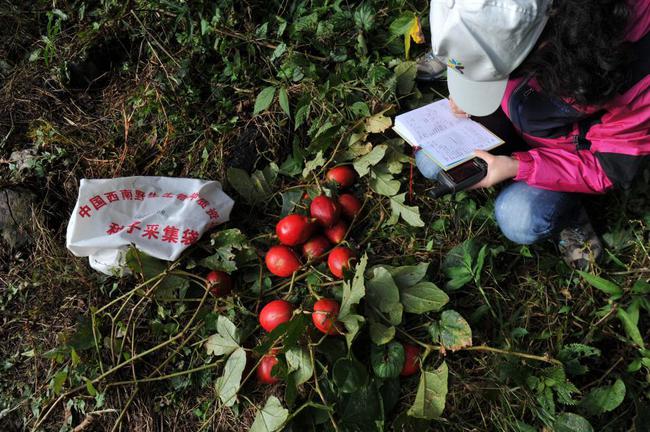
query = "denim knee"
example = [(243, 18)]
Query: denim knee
[(526, 214), (427, 167)]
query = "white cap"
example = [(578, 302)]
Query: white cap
[(482, 42)]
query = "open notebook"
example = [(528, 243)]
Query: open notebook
[(445, 138)]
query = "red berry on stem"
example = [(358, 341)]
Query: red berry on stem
[(219, 283), (336, 233), (343, 175), (411, 359), (324, 316), (339, 260), (294, 229), (316, 247), (325, 210), (275, 313), (350, 205), (282, 261), (265, 368)]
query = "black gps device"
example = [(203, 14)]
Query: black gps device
[(460, 177)]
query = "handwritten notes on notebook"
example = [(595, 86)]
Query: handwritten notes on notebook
[(445, 138)]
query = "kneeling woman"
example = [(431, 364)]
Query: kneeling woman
[(572, 77)]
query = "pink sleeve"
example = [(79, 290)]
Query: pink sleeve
[(562, 170)]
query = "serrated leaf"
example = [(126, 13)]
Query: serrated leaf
[(377, 123), (301, 115), (355, 291), (271, 417), (382, 182), (264, 99), (226, 340), (401, 25), (283, 98), (431, 395), (299, 363), (608, 287), (256, 187), (455, 332), (58, 381), (603, 399), (311, 165), (410, 214), (227, 385), (631, 329), (362, 165), (569, 422), (423, 297)]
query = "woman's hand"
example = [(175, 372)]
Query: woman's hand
[(457, 111), (500, 168)]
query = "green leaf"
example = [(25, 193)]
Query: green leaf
[(228, 384), (608, 287), (256, 187), (405, 74), (231, 248), (264, 99), (349, 375), (387, 360), (407, 276), (362, 165), (226, 340), (290, 199), (455, 332), (271, 417), (299, 363), (353, 293), (316, 162), (382, 182), (283, 97), (401, 25), (458, 264), (381, 334), (423, 297), (410, 214), (382, 292), (569, 422), (352, 324), (431, 395), (631, 329), (603, 399), (58, 381)]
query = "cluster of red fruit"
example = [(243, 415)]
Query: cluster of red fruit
[(298, 230), (277, 312)]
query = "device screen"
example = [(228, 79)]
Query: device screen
[(463, 171)]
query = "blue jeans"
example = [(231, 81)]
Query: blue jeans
[(525, 214)]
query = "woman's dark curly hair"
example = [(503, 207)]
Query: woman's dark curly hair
[(582, 54)]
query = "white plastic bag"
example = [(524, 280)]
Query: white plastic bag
[(161, 216)]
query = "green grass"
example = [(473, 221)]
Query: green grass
[(182, 98)]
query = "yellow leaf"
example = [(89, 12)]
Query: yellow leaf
[(415, 31)]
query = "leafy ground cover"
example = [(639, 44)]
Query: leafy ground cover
[(267, 97)]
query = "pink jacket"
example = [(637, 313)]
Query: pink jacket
[(597, 148)]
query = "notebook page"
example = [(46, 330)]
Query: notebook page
[(457, 145), (428, 121)]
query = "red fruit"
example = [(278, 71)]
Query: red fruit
[(294, 229), (336, 233), (324, 316), (350, 205), (339, 260), (282, 261), (219, 283), (275, 313), (343, 175), (264, 369), (325, 210), (315, 247), (411, 356)]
